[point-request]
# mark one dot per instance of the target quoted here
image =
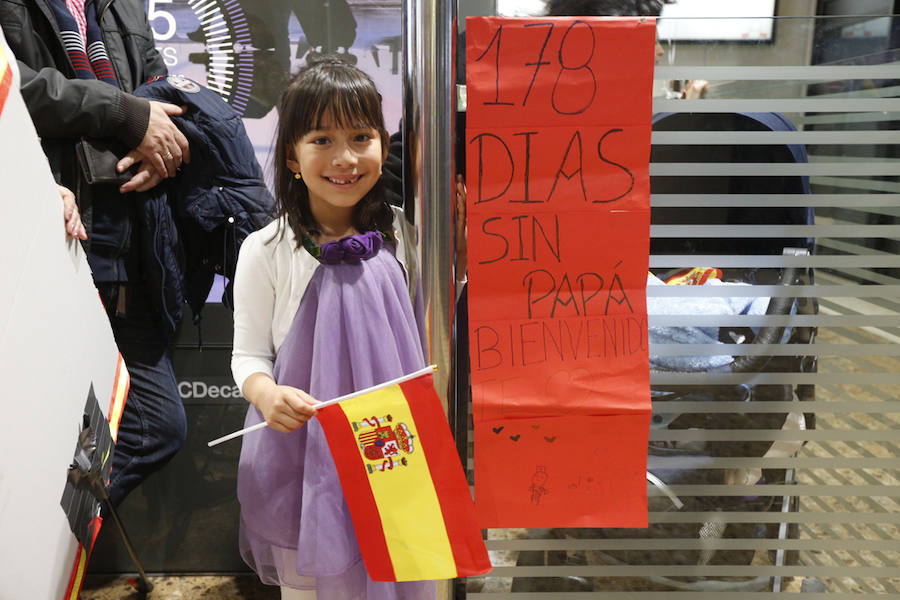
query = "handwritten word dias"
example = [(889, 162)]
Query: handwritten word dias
[(506, 160)]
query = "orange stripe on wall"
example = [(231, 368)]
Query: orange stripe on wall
[(77, 578), (96, 523), (121, 384), (5, 79)]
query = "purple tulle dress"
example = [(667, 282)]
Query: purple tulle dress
[(355, 328)]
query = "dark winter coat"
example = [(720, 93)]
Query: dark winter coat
[(191, 226)]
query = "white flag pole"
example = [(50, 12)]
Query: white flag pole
[(374, 388)]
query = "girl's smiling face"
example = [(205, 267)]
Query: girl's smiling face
[(339, 166)]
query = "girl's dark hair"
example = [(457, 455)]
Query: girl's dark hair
[(335, 89)]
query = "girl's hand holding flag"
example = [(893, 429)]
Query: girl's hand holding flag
[(285, 408)]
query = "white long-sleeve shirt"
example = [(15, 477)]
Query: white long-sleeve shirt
[(271, 277)]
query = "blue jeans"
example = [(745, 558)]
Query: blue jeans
[(153, 425)]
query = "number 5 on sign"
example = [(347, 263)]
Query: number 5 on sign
[(154, 13)]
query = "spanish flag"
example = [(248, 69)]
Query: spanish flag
[(403, 482)]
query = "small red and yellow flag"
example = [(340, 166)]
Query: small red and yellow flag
[(694, 276), (404, 484)]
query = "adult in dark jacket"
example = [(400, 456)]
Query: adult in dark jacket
[(78, 88)]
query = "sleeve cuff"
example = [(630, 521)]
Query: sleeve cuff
[(133, 114), (243, 367)]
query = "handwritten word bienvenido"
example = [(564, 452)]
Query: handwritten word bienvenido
[(535, 342)]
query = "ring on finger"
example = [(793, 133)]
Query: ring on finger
[(168, 155)]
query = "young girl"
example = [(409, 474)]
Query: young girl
[(322, 309)]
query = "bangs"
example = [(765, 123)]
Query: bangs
[(345, 106)]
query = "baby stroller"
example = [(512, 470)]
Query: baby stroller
[(694, 463), (702, 453)]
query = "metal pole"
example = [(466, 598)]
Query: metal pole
[(429, 34), (143, 584)]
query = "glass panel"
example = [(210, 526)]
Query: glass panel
[(778, 472)]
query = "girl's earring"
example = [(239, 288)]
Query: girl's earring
[(298, 176)]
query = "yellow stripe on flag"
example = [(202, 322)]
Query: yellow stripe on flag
[(408, 486)]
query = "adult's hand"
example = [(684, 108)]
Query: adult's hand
[(74, 227), (163, 146), (146, 177)]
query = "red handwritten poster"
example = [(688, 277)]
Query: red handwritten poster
[(558, 145)]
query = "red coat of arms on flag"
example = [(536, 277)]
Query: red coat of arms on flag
[(384, 446)]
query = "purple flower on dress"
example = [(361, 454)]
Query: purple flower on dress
[(352, 248), (332, 253)]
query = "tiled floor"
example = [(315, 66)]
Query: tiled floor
[(187, 587)]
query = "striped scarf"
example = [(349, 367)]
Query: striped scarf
[(80, 32)]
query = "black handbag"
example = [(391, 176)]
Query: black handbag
[(98, 159)]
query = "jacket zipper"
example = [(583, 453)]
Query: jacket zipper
[(103, 10), (125, 238)]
